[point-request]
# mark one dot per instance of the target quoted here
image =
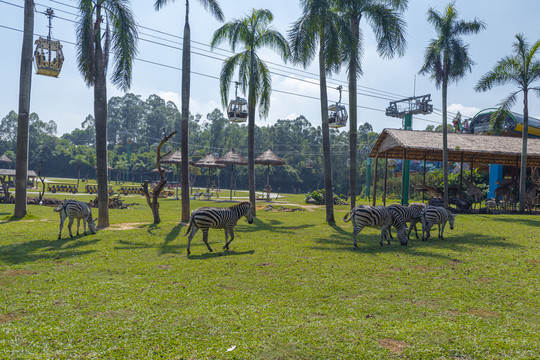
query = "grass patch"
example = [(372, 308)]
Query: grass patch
[(290, 287)]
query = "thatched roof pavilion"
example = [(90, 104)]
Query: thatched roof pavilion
[(269, 158), (5, 159), (232, 158), (176, 159), (479, 149)]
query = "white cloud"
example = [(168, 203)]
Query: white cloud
[(467, 111), (170, 96)]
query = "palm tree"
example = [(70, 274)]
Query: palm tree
[(386, 21), (521, 69), (251, 33), (102, 24), (215, 10), (21, 160), (321, 29), (446, 60)]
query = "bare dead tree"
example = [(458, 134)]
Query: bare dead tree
[(153, 201), (5, 186), (41, 193)]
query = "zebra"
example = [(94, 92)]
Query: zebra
[(205, 218), (76, 210), (411, 214), (432, 215), (377, 216)]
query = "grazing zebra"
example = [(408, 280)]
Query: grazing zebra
[(377, 216), (432, 215), (205, 218), (76, 210), (410, 214)]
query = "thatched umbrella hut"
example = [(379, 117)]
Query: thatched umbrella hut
[(176, 159), (210, 162), (4, 159), (269, 158), (232, 158)]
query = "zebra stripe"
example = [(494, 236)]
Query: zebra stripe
[(377, 216), (432, 215), (410, 214), (74, 209), (205, 218)]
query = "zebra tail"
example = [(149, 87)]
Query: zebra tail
[(345, 217), (59, 209), (189, 227)]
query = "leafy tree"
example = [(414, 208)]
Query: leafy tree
[(447, 59), (385, 19), (252, 33), (102, 24), (215, 11), (522, 69), (324, 30)]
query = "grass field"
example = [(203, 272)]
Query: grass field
[(291, 287)]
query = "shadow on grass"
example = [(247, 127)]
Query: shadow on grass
[(212, 255), (30, 251), (274, 226), (533, 221), (369, 244)]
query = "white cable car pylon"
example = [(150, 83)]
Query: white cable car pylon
[(237, 111), (337, 114)]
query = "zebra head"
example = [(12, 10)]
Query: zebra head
[(91, 224), (451, 218), (249, 214), (399, 223)]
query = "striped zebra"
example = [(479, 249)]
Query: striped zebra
[(432, 215), (411, 214), (76, 210), (205, 218), (377, 216)]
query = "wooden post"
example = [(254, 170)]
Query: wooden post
[(385, 177), (461, 172), (375, 181), (424, 181), (472, 166)]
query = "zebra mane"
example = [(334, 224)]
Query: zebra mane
[(242, 204)]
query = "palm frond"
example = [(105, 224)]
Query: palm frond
[(497, 118), (215, 9), (85, 40), (389, 28), (226, 77)]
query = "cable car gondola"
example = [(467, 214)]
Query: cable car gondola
[(337, 113), (237, 110), (48, 54)]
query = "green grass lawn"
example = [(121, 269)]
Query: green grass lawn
[(291, 287)]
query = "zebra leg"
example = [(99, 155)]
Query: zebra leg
[(384, 231), (193, 232), (78, 224), (389, 233), (84, 226), (61, 226), (231, 231), (356, 230), (226, 238), (205, 239), (442, 230), (69, 226)]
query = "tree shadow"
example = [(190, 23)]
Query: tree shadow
[(60, 248), (213, 255), (369, 244), (533, 221), (274, 226)]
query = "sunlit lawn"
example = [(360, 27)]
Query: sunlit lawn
[(291, 287)]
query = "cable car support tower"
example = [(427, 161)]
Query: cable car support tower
[(405, 109)]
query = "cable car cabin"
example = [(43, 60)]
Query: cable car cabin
[(48, 56), (237, 110), (337, 116)]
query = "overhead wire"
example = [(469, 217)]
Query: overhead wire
[(212, 57)]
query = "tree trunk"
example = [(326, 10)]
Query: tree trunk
[(100, 116), (251, 133), (353, 113), (445, 141), (524, 136), (184, 148), (327, 164), (25, 85)]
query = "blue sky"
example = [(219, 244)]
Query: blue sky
[(68, 101)]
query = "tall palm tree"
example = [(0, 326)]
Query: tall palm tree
[(521, 69), (446, 60), (251, 33), (385, 19), (25, 84), (215, 10), (321, 29), (102, 24)]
